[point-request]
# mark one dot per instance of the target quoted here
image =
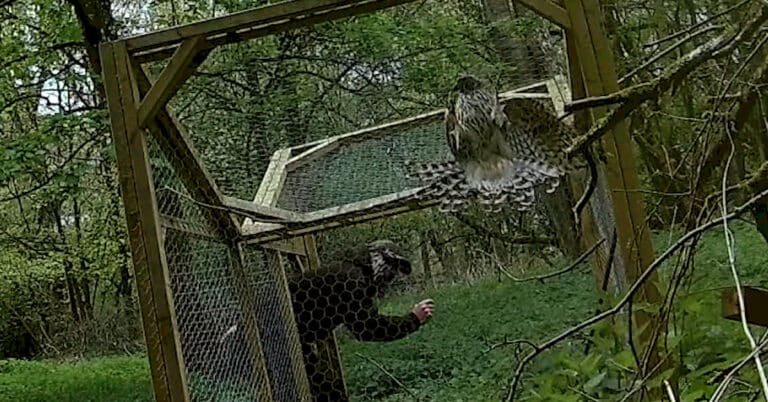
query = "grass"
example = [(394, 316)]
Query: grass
[(112, 378), (448, 360)]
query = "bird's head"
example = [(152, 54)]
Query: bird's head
[(467, 83)]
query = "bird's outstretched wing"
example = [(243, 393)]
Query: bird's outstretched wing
[(540, 138), (502, 153)]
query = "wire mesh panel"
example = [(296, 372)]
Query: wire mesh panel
[(252, 98), (276, 325), (210, 293), (370, 168)]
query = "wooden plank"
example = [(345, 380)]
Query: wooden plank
[(267, 196), (142, 218), (262, 21), (311, 154), (228, 23), (274, 170), (183, 64), (179, 150), (276, 264), (248, 304), (260, 211), (634, 245), (293, 245), (277, 180), (541, 85), (600, 77), (558, 92), (385, 129), (344, 215), (591, 232), (755, 305), (550, 10)]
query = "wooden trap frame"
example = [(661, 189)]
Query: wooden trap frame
[(139, 113)]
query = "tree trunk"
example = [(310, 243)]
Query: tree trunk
[(71, 281), (425, 258), (84, 293)]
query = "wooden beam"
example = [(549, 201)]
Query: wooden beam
[(550, 10), (275, 265), (182, 154), (559, 93), (755, 305), (344, 215), (143, 222), (271, 185), (293, 245), (633, 246), (261, 21), (599, 74), (311, 154), (185, 61), (249, 303), (259, 211)]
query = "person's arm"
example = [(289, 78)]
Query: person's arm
[(370, 326)]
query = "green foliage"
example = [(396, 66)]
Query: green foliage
[(65, 282), (119, 379), (449, 358), (700, 340)]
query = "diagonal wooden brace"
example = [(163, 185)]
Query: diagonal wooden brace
[(549, 9), (185, 61)]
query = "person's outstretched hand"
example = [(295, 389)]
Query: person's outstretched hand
[(423, 309)]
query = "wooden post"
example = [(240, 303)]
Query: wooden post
[(267, 196), (142, 218), (598, 220), (596, 67), (755, 303)]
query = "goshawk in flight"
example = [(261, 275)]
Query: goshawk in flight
[(502, 153)]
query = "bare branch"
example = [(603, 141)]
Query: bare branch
[(631, 98), (388, 374), (567, 269)]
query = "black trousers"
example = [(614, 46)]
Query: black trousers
[(325, 386)]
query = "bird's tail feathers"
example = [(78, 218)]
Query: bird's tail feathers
[(449, 183)]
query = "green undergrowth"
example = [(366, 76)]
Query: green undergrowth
[(450, 359), (109, 378)]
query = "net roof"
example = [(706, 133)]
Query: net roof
[(249, 100)]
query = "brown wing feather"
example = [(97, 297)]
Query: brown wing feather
[(546, 135)]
